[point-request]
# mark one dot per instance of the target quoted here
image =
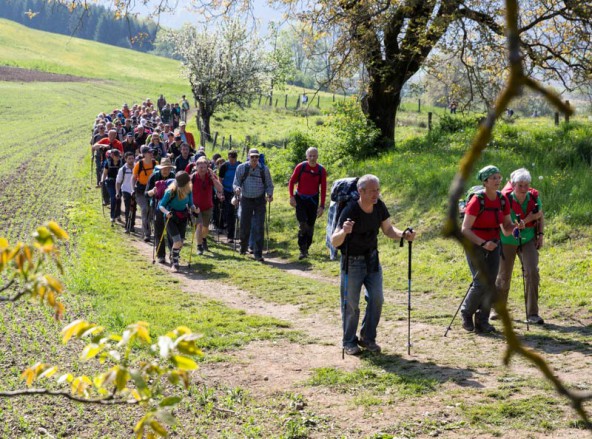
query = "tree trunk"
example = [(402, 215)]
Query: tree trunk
[(384, 97), (205, 118)]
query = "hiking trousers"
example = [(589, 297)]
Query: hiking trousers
[(159, 222), (130, 216), (113, 200), (306, 214), (530, 260), (252, 220), (144, 204), (479, 297), (229, 214)]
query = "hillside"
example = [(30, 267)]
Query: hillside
[(271, 331)]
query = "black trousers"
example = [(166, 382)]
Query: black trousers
[(130, 212), (306, 214), (159, 222), (229, 214)]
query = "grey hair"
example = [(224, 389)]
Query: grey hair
[(311, 149), (519, 175), (365, 179)]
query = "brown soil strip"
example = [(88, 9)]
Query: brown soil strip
[(16, 74)]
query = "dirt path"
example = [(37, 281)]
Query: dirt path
[(463, 365)]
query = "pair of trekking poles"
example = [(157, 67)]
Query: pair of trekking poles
[(345, 285), (518, 236)]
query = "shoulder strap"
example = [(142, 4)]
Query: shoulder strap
[(302, 168)]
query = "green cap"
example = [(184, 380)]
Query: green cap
[(487, 172)]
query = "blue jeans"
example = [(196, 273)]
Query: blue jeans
[(252, 210), (350, 313), (115, 203)]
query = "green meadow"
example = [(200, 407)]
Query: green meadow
[(45, 170)]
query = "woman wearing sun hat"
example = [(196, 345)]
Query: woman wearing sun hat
[(176, 205), (486, 211)]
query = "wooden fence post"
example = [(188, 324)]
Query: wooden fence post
[(286, 102), (429, 121), (419, 105), (297, 102), (276, 102), (556, 118), (223, 141), (567, 114), (319, 101), (230, 141), (260, 96), (215, 140), (333, 97)]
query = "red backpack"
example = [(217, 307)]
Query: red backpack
[(516, 207)]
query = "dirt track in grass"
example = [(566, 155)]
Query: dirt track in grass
[(466, 368), (17, 74)]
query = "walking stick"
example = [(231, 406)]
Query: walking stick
[(459, 306), (345, 281), (408, 229), (518, 236), (164, 232), (192, 238), (267, 224), (92, 166)]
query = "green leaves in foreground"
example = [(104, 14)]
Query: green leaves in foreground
[(133, 375)]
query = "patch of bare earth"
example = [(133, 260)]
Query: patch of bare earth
[(465, 366), (17, 74)]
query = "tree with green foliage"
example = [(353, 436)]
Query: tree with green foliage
[(136, 370), (224, 66)]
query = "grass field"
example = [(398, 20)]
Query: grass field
[(45, 173)]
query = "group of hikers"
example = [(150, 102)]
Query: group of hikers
[(156, 165)]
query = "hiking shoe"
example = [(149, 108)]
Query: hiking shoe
[(536, 320), (467, 322), (303, 255), (484, 328), (147, 239), (205, 245), (352, 350), (494, 316), (176, 267), (251, 251), (161, 260), (230, 240), (200, 249), (370, 346), (259, 259)]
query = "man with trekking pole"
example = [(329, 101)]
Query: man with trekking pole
[(525, 204), (356, 236)]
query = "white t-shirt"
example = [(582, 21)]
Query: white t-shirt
[(124, 177)]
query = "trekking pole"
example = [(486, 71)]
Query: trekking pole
[(92, 166), (267, 223), (101, 197), (192, 238), (459, 306), (410, 230), (161, 237), (518, 235), (345, 281)]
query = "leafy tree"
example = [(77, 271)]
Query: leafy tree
[(146, 377), (224, 66)]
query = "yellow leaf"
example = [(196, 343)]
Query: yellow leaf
[(121, 379), (136, 395), (90, 351), (3, 243), (184, 363), (72, 329), (49, 372), (66, 377), (57, 230), (55, 284), (158, 428)]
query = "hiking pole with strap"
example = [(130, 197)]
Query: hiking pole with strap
[(459, 306), (410, 230), (518, 235), (267, 223), (92, 166), (164, 232), (345, 281), (192, 238)]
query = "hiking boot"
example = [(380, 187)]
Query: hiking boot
[(205, 245), (467, 322), (200, 249), (303, 255), (176, 267), (536, 320), (259, 259), (352, 350), (251, 251), (494, 316), (161, 260), (146, 238), (112, 222), (370, 346), (230, 240), (484, 328)]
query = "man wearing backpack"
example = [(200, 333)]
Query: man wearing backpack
[(142, 172), (123, 185), (163, 172), (311, 179), (184, 108), (110, 171), (101, 148), (204, 180), (226, 174), (356, 237), (525, 204), (252, 182)]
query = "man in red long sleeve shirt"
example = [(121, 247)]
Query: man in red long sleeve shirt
[(311, 179)]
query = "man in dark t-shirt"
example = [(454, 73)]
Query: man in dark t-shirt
[(356, 236)]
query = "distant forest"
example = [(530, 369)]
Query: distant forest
[(95, 23)]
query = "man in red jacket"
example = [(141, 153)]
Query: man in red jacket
[(311, 179)]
